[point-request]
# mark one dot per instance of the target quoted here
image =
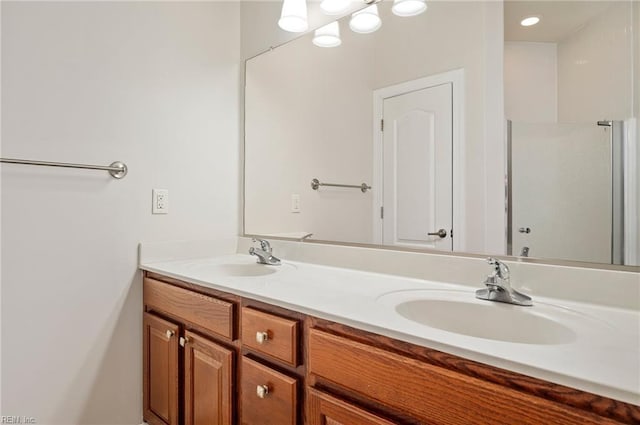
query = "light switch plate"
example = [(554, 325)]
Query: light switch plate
[(295, 203), (160, 201)]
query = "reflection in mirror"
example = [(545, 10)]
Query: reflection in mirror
[(411, 111), (309, 115), (565, 211), (569, 96)]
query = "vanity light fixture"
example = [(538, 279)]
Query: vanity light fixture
[(365, 21), (328, 36), (334, 7), (408, 7), (529, 21), (294, 16)]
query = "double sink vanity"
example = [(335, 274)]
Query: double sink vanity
[(228, 340)]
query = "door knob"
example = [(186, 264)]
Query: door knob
[(442, 233), (169, 333)]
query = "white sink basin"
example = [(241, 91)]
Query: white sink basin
[(461, 313), (236, 267), (490, 321), (246, 270)]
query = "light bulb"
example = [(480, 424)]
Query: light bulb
[(366, 20), (294, 16), (328, 36), (334, 7), (408, 7)]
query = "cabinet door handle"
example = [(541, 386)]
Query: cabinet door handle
[(170, 333), (262, 391), (184, 341), (262, 337)]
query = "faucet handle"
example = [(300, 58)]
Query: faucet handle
[(264, 244), (501, 270)]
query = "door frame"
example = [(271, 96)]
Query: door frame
[(630, 184), (456, 78)]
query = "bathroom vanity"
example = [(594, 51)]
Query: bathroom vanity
[(228, 341)]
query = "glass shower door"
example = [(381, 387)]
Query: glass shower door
[(561, 191)]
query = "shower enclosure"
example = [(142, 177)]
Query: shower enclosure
[(566, 192)]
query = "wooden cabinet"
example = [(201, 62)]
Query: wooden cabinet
[(430, 393), (218, 359), (188, 377), (160, 365), (208, 382)]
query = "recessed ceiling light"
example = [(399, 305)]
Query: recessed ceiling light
[(529, 21)]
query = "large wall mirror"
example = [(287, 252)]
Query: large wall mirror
[(387, 138)]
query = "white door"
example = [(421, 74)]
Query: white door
[(417, 168)]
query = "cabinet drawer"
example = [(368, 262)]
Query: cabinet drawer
[(271, 335), (268, 397), (430, 393), (207, 312), (323, 409)]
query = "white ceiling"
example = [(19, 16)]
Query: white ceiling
[(559, 19)]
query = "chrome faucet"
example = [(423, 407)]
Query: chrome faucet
[(499, 286), (264, 253)]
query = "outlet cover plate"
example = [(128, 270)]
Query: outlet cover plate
[(160, 201)]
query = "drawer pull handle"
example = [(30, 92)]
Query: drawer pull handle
[(262, 391), (170, 333), (262, 337)]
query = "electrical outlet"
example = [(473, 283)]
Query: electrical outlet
[(160, 201), (295, 203)]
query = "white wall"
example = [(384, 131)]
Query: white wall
[(310, 118), (531, 81), (153, 84), (333, 137), (596, 62)]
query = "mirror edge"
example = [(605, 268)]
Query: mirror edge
[(529, 260)]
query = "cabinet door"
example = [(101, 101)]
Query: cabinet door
[(323, 409), (268, 397), (160, 365), (208, 382)]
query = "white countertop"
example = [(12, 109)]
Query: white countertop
[(603, 358)]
